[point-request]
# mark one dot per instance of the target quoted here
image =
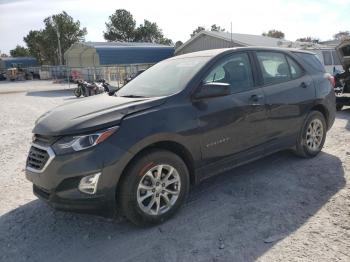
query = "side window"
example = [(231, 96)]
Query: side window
[(295, 70), (274, 67), (235, 70), (327, 57)]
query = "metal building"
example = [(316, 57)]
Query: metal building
[(205, 40), (23, 62), (97, 54)]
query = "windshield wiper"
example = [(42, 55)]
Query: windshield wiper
[(133, 96)]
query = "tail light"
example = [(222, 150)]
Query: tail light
[(331, 79)]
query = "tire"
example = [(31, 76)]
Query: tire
[(304, 146), (77, 92), (139, 175), (339, 107)]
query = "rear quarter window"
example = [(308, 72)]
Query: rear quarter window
[(312, 61), (274, 67)]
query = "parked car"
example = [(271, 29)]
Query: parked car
[(342, 80), (183, 120)]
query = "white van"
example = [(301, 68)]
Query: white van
[(329, 58)]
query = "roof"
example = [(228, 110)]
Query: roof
[(123, 53), (214, 52), (242, 39), (133, 54), (119, 44), (19, 58), (25, 61), (334, 42)]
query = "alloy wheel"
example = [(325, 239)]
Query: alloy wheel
[(314, 135), (158, 189)]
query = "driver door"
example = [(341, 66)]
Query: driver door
[(235, 123)]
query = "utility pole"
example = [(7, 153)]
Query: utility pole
[(59, 45), (231, 36)]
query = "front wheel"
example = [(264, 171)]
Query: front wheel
[(312, 136), (77, 92), (154, 187)]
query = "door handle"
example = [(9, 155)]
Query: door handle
[(304, 85), (255, 97)]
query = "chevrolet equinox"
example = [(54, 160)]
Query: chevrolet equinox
[(181, 121)]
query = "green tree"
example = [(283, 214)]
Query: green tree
[(151, 33), (36, 45), (43, 44), (19, 51), (309, 39), (216, 28), (197, 30), (166, 41), (274, 33), (178, 44), (120, 27), (62, 26), (341, 35), (148, 32)]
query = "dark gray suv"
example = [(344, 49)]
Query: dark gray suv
[(183, 120)]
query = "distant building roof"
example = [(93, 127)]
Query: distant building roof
[(24, 61), (334, 42), (119, 44), (249, 40), (116, 53), (19, 58), (241, 39)]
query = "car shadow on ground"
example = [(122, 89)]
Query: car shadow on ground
[(52, 93), (236, 216)]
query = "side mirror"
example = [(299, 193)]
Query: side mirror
[(213, 90)]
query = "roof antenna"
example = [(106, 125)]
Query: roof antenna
[(231, 36)]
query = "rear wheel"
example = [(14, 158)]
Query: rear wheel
[(154, 187), (312, 136)]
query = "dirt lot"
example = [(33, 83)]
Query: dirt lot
[(281, 208)]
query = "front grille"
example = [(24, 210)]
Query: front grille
[(37, 158)]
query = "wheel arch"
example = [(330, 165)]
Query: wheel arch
[(323, 110), (169, 145)]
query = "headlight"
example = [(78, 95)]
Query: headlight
[(70, 144)]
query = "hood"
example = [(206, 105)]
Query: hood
[(343, 50), (90, 114)]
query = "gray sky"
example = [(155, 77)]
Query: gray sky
[(177, 19)]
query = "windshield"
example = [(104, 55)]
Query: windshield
[(165, 78)]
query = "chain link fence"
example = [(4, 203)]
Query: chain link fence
[(115, 75)]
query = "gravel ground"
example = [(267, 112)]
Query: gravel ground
[(280, 208)]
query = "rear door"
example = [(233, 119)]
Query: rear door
[(289, 94), (234, 123)]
